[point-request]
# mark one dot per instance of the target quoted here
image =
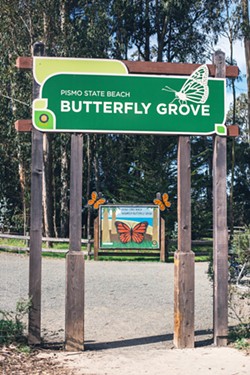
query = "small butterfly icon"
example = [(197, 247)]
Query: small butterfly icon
[(96, 200), (162, 202), (135, 234), (195, 89)]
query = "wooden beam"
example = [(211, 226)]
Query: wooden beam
[(182, 69), (23, 62), (96, 237), (35, 259), (76, 163), (26, 126), (233, 131), (74, 306), (184, 257), (163, 256), (220, 231), (148, 67), (74, 312), (23, 125)]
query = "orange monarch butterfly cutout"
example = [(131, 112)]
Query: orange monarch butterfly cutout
[(95, 201), (162, 202), (128, 234)]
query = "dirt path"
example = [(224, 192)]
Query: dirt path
[(128, 319), (152, 361)]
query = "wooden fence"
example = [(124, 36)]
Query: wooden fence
[(169, 244), (44, 239)]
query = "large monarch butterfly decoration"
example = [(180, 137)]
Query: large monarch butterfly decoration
[(195, 89), (162, 202), (96, 200), (128, 234)]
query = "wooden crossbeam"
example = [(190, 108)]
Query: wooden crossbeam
[(23, 125), (148, 67), (26, 126)]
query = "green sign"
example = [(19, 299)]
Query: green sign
[(98, 101), (129, 227)]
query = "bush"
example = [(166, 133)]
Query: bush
[(11, 325)]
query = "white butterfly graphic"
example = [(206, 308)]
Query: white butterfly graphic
[(195, 89)]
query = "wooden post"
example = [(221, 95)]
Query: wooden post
[(184, 257), (35, 260), (96, 238), (162, 242), (74, 314), (220, 234)]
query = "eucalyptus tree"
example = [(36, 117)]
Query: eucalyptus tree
[(242, 162), (246, 35)]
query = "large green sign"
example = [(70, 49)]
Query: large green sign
[(98, 101)]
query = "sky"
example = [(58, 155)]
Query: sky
[(239, 56)]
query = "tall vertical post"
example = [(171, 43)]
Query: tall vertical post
[(74, 314), (184, 257), (35, 260), (220, 232)]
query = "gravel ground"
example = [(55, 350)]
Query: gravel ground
[(128, 322), (126, 303)]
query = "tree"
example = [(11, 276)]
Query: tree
[(231, 29), (246, 34), (242, 163)]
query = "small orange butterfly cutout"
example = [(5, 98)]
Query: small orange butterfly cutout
[(163, 202), (95, 200)]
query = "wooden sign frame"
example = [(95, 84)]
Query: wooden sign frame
[(184, 257)]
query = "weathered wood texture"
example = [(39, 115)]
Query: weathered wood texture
[(163, 255), (184, 257), (24, 62), (74, 312), (74, 304), (35, 260), (75, 223), (220, 235), (184, 299), (233, 131), (184, 195), (147, 67), (96, 238), (23, 125)]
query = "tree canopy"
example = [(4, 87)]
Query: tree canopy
[(125, 168)]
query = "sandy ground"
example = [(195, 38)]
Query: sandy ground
[(148, 360)]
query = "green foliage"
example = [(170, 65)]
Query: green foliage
[(241, 246), (240, 336), (11, 325), (127, 169)]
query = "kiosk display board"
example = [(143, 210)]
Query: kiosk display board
[(129, 227)]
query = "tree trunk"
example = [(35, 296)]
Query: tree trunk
[(96, 167), (246, 32), (64, 209), (22, 180)]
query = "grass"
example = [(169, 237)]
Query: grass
[(200, 250)]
